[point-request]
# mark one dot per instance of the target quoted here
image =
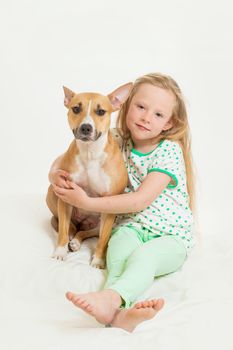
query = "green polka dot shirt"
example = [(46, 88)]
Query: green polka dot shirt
[(169, 214)]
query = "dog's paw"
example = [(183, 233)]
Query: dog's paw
[(98, 263), (60, 253), (74, 245)]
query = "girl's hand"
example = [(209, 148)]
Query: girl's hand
[(59, 178), (73, 195)]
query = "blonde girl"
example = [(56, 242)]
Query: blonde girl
[(152, 235)]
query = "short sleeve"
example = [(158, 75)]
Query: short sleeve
[(169, 160)]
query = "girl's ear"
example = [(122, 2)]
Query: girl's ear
[(168, 125), (119, 96), (68, 96)]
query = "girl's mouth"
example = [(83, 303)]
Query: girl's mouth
[(142, 127)]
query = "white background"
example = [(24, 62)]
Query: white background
[(97, 46)]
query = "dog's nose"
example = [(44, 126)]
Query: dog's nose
[(86, 129)]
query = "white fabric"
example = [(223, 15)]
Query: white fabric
[(34, 313)]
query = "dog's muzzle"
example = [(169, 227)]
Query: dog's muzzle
[(85, 133)]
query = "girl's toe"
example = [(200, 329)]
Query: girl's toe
[(160, 304), (138, 305), (69, 295), (151, 303)]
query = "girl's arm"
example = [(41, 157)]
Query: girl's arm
[(149, 190)]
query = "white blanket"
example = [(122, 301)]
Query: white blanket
[(34, 313)]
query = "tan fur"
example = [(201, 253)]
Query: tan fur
[(113, 167), (119, 179)]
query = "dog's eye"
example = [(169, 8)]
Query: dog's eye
[(100, 112), (77, 109)]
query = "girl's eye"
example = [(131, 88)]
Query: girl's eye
[(159, 115), (140, 106)]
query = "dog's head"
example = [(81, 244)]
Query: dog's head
[(89, 113)]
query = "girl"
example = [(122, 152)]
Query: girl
[(153, 230)]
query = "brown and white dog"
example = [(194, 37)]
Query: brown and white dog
[(94, 161)]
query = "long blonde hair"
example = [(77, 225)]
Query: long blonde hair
[(179, 132)]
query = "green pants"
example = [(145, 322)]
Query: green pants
[(133, 261)]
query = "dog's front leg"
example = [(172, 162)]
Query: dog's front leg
[(64, 217), (106, 223)]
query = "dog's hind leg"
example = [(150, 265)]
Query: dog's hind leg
[(107, 221)]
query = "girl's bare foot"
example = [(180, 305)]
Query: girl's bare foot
[(128, 319), (101, 305)]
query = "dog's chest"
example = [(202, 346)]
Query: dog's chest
[(91, 176)]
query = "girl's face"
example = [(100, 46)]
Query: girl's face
[(149, 113)]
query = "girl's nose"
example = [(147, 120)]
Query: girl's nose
[(146, 116)]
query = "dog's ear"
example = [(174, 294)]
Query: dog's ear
[(68, 96), (119, 96)]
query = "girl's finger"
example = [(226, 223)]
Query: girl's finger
[(57, 194), (58, 189), (63, 173), (71, 184), (60, 196), (66, 185)]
